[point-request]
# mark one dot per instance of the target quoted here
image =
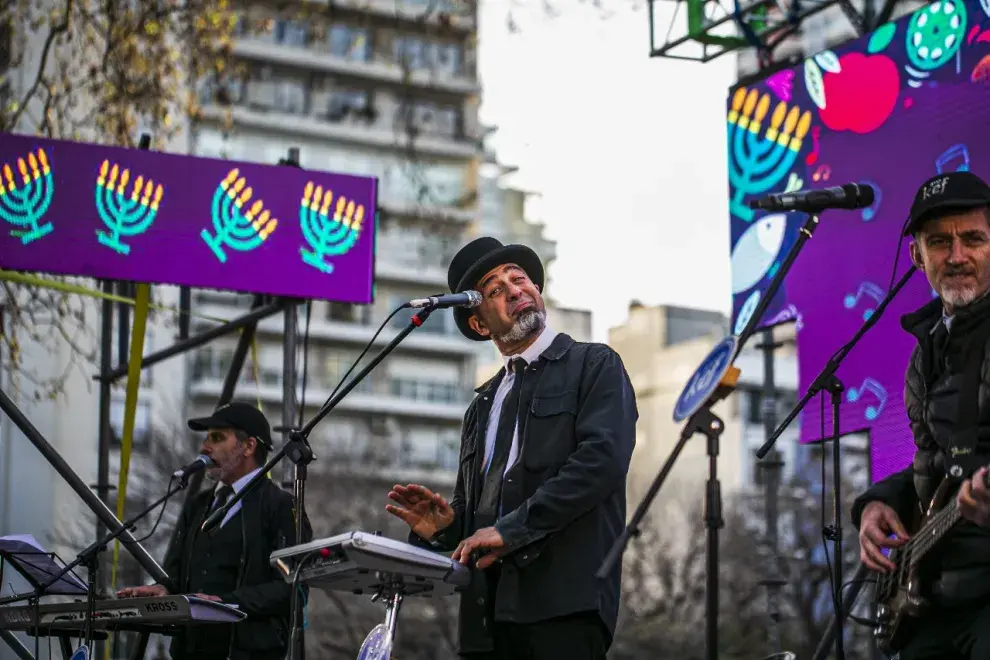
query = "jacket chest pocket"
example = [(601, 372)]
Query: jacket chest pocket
[(550, 436)]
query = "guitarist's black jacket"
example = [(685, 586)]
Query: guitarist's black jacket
[(939, 378)]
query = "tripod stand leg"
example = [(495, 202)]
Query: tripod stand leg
[(713, 522), (15, 645)]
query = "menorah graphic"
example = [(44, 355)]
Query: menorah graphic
[(24, 207), (124, 216), (757, 164), (327, 236), (236, 228)]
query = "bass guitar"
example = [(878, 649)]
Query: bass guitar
[(900, 603)]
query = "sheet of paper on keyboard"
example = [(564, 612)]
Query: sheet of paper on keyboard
[(30, 559)]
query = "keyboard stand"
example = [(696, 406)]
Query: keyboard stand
[(380, 640)]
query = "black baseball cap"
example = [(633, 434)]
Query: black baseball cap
[(236, 415), (957, 191)]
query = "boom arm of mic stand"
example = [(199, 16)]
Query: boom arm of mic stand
[(93, 550), (298, 440), (805, 233), (821, 382)]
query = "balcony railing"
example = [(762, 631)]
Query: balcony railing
[(402, 453)]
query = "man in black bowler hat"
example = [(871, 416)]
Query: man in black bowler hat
[(540, 492), (947, 398), (230, 564)]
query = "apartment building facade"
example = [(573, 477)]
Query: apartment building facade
[(380, 89)]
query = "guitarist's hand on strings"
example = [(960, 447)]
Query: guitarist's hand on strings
[(973, 499), (878, 522)]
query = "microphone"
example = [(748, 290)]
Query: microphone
[(465, 299), (849, 196), (201, 463)]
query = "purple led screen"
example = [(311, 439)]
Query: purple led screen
[(70, 208), (891, 109)]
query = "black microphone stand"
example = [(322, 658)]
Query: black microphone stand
[(828, 381), (298, 450), (707, 423), (90, 558)]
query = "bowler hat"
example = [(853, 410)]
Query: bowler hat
[(950, 191), (477, 258)]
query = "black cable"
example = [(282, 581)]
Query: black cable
[(161, 512), (343, 378), (869, 623)]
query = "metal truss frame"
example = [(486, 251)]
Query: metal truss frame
[(717, 27), (262, 307)]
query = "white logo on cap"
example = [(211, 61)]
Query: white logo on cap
[(936, 187)]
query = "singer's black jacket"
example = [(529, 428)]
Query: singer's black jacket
[(564, 499), (268, 521)]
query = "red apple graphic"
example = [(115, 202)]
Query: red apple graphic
[(862, 95)]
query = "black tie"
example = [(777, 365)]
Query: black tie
[(491, 492), (222, 496)]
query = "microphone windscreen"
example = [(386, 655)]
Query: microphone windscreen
[(862, 194)]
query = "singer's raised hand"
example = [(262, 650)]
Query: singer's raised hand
[(424, 511)]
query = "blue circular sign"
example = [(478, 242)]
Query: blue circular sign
[(706, 378)]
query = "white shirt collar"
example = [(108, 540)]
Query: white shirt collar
[(535, 349), (240, 483)]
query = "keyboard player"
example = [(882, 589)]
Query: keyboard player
[(231, 563)]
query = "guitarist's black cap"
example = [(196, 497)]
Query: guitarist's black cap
[(951, 191)]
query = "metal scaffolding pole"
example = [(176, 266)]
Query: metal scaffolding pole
[(196, 341), (771, 465), (96, 505), (230, 383)]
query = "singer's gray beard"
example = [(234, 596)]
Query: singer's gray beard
[(528, 324)]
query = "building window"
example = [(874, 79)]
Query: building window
[(292, 33), (422, 390), (754, 406), (349, 42), (142, 423), (290, 97), (426, 118), (417, 53), (344, 103)]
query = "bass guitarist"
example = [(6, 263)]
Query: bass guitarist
[(947, 398)]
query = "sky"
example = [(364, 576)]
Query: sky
[(627, 151)]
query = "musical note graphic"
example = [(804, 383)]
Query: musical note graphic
[(868, 289), (122, 214), (236, 228), (759, 159), (870, 212), (25, 206), (789, 313), (822, 173), (876, 389), (327, 235), (812, 158), (956, 151)]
